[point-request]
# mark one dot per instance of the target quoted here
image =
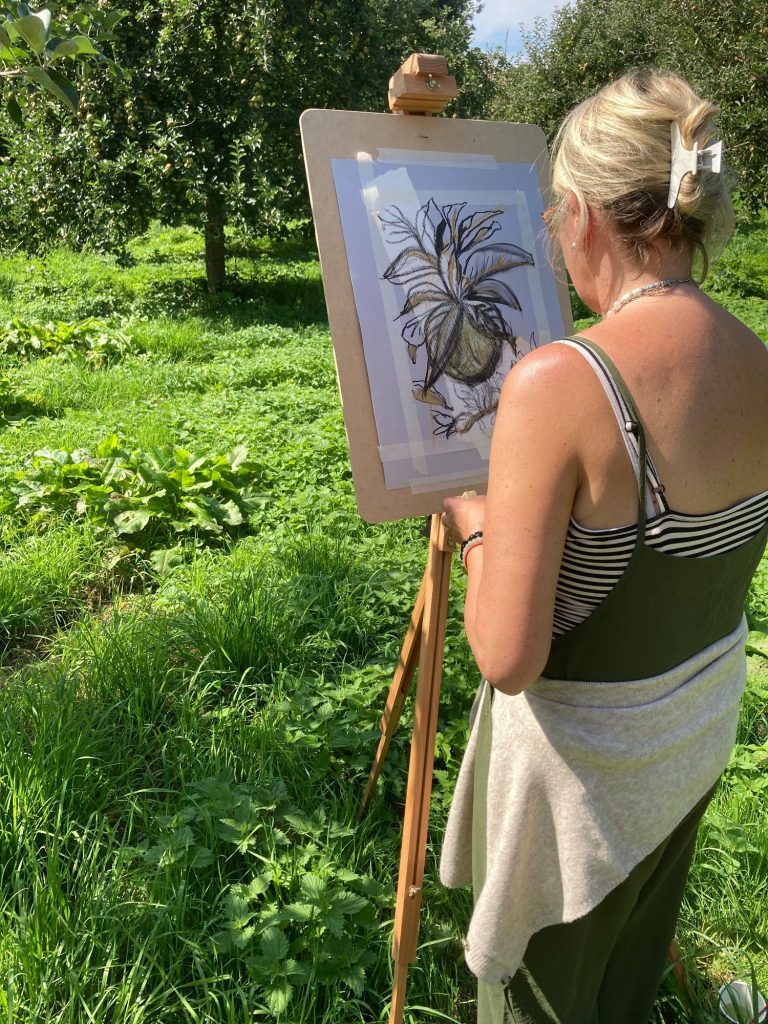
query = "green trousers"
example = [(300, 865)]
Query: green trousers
[(605, 967)]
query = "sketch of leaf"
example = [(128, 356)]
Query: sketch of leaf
[(429, 395), (475, 228), (480, 405), (450, 270), (507, 257), (404, 267), (498, 292), (445, 425)]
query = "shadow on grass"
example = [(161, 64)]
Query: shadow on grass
[(290, 301), (19, 410)]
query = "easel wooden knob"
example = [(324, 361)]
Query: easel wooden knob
[(422, 86)]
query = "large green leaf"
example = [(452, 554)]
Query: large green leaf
[(73, 47), (349, 903), (132, 521), (233, 517), (313, 887), (201, 514), (34, 29), (274, 945), (110, 19), (239, 456), (56, 84), (279, 995), (165, 559)]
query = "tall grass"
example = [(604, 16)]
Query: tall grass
[(181, 758)]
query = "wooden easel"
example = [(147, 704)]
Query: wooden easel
[(421, 86), (422, 647)]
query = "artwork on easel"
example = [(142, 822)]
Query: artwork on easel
[(457, 307), (452, 286)]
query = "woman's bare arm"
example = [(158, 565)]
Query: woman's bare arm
[(534, 476)]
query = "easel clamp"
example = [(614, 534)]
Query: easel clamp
[(422, 86)]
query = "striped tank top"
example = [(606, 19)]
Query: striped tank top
[(594, 560)]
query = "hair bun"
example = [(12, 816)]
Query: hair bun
[(614, 153)]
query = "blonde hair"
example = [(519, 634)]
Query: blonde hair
[(613, 152)]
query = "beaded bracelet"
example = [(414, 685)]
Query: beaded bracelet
[(471, 547), (473, 540)]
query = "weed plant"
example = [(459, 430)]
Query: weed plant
[(98, 343), (181, 758), (156, 502)]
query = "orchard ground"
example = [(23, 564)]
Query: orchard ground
[(184, 738)]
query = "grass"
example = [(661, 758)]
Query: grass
[(182, 753)]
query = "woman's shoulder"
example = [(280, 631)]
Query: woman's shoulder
[(555, 376), (551, 365)]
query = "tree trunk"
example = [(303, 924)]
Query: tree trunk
[(215, 255)]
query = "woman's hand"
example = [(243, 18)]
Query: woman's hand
[(463, 516)]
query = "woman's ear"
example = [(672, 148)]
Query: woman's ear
[(572, 219), (596, 222), (571, 203)]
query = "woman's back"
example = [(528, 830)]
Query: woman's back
[(702, 397)]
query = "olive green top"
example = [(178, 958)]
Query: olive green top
[(664, 608)]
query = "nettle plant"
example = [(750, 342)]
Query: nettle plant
[(295, 916), (98, 342), (155, 502)]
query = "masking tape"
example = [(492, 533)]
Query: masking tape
[(371, 191), (457, 480), (423, 449), (434, 158)]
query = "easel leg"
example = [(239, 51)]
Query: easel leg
[(416, 818), (398, 691), (678, 969)]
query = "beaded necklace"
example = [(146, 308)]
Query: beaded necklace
[(668, 282)]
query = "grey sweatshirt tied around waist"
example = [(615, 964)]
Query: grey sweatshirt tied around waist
[(567, 786)]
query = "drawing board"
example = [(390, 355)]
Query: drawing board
[(438, 278)]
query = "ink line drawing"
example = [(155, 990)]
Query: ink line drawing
[(456, 306)]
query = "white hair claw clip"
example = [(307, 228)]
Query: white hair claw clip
[(690, 161)]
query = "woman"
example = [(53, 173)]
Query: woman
[(627, 509)]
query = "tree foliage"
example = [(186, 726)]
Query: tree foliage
[(205, 128), (720, 47), (35, 48)]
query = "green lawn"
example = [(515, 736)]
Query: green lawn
[(183, 742)]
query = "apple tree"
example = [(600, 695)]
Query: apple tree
[(204, 128)]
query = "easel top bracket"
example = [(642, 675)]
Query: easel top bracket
[(422, 86)]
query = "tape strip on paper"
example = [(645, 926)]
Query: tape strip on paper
[(402, 157), (422, 449), (439, 483), (372, 198), (534, 279)]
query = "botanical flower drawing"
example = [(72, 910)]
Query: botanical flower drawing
[(456, 305)]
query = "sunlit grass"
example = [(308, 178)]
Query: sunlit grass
[(136, 720)]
